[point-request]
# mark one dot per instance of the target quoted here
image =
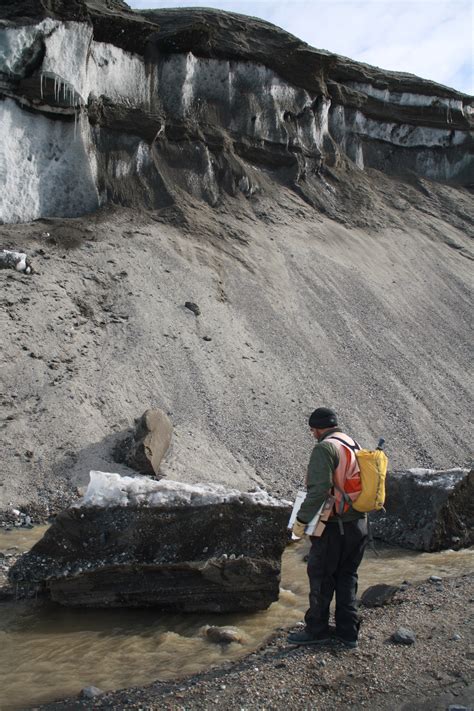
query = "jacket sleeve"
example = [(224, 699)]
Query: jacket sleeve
[(321, 466)]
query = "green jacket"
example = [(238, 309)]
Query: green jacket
[(322, 464)]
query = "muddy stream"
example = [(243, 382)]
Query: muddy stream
[(48, 652)]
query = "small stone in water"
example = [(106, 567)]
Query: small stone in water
[(90, 692), (223, 635)]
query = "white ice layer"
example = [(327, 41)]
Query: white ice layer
[(48, 169), (15, 44), (108, 489), (398, 134), (44, 167), (405, 98)]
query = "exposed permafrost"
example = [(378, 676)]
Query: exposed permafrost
[(247, 103), (45, 169), (405, 98)]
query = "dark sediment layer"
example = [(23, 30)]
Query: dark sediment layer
[(217, 558)]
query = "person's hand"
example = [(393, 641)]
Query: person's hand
[(298, 529)]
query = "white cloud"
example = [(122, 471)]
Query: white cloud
[(430, 38)]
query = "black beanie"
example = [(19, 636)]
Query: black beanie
[(323, 417)]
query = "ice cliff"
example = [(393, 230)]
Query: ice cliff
[(99, 104)]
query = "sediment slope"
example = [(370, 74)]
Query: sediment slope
[(321, 278)]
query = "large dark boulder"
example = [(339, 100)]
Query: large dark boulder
[(428, 510), (187, 549)]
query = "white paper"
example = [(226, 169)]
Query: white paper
[(300, 497)]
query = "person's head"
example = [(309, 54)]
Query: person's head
[(321, 420)]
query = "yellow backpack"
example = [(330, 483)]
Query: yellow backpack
[(373, 465)]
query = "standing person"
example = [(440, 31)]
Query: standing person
[(335, 555)]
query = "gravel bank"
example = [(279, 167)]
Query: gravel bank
[(295, 311), (433, 673)]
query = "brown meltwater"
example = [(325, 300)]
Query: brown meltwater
[(48, 652)]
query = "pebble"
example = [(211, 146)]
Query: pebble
[(435, 579), (403, 636), (223, 635), (193, 307), (90, 692)]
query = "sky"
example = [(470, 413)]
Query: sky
[(431, 38)]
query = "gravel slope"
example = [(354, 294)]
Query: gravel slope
[(371, 317)]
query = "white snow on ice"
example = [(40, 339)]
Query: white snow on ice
[(11, 257), (109, 489), (428, 477)]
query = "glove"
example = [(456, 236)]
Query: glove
[(298, 529)]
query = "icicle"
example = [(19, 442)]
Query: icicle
[(75, 122), (41, 84)]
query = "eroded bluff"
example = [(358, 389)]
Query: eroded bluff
[(139, 543), (100, 103)]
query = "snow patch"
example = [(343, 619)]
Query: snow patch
[(14, 260), (109, 489), (429, 477)]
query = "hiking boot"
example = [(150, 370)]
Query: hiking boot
[(347, 643), (306, 637)]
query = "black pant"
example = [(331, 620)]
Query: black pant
[(332, 567)]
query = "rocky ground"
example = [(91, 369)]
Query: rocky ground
[(432, 674)]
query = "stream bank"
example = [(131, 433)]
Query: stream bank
[(434, 674), (49, 651)]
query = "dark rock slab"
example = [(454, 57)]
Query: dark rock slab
[(428, 510), (378, 595), (189, 555)]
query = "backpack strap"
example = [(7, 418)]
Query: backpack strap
[(345, 498), (355, 447)]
